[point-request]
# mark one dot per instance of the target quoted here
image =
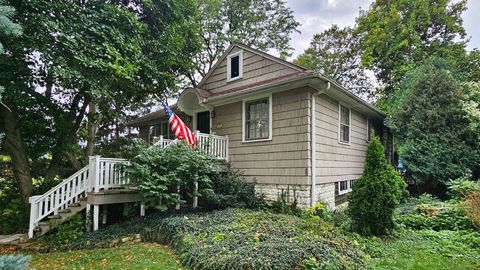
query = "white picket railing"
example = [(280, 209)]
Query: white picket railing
[(100, 173), (108, 173), (162, 142), (214, 145), (57, 198)]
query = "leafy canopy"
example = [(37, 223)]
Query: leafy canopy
[(261, 24), (400, 33), (437, 124), (336, 53)]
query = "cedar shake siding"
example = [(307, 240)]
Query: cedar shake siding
[(283, 160), (256, 68), (336, 161)]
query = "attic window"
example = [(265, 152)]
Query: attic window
[(235, 66)]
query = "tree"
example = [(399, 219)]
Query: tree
[(375, 195), (398, 34), (336, 53), (7, 27), (434, 120), (261, 24), (84, 53)]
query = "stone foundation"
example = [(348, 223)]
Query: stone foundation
[(273, 192), (326, 194)]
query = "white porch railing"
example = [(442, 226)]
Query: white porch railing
[(100, 173), (162, 142), (214, 145), (107, 173)]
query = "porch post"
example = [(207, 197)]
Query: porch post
[(195, 195), (88, 219), (142, 209), (96, 214)]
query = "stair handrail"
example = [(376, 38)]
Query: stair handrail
[(38, 210)]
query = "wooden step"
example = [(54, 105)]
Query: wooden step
[(75, 204), (83, 199), (65, 211), (55, 217), (43, 224)]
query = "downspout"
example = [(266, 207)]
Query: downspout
[(313, 156)]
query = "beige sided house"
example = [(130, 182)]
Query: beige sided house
[(287, 127)]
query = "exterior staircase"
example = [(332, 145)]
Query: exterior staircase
[(71, 196)]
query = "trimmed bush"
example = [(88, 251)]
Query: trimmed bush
[(375, 195), (14, 262)]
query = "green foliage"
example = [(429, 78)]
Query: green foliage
[(336, 53), (437, 141), (13, 215), (229, 189), (7, 26), (460, 187), (398, 34), (242, 239), (157, 172), (263, 25), (238, 239), (376, 194), (14, 262), (284, 205), (66, 232), (428, 213), (425, 249)]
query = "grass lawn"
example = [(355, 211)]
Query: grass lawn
[(444, 250), (139, 256)]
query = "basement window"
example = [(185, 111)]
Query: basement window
[(345, 187), (235, 66)]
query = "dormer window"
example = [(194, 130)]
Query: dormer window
[(235, 66)]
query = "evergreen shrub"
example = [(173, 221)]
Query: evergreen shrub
[(376, 194)]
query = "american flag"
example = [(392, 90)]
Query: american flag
[(181, 131)]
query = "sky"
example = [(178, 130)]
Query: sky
[(318, 15)]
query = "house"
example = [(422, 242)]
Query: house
[(286, 128)]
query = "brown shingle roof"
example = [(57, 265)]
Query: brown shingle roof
[(150, 117)]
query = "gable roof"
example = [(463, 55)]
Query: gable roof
[(255, 51)]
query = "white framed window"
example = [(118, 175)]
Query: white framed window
[(257, 119), (344, 115), (235, 66), (345, 186)]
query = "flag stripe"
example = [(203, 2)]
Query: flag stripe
[(179, 128)]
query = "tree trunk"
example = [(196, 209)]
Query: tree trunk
[(15, 147), (92, 129)]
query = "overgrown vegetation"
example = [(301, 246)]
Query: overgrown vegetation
[(376, 194), (239, 239), (164, 175)]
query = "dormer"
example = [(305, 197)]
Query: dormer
[(235, 66)]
